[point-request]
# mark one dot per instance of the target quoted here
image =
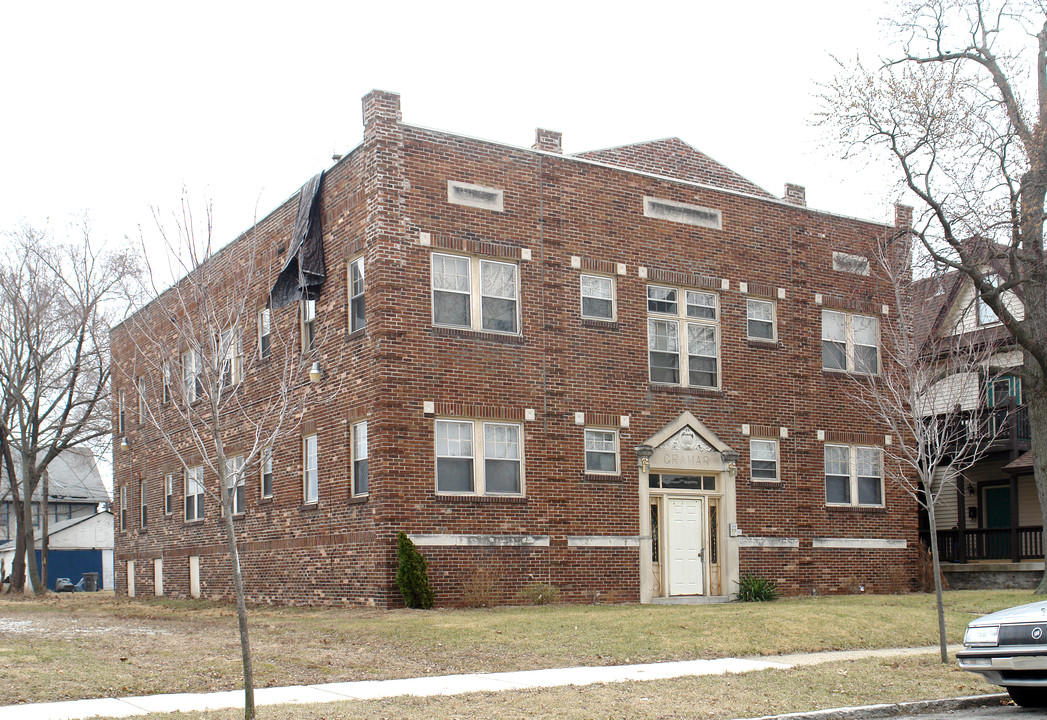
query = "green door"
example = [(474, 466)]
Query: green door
[(996, 509)]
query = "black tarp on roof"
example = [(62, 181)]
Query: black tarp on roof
[(304, 272)]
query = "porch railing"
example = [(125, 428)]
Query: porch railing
[(1005, 544)]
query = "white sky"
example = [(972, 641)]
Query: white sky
[(113, 108)]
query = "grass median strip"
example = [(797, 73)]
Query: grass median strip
[(83, 646)]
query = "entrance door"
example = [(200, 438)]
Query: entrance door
[(686, 572), (997, 514)]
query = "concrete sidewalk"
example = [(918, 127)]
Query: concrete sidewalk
[(423, 686)]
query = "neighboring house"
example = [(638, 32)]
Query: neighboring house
[(625, 373), (75, 546), (989, 528), (75, 493)]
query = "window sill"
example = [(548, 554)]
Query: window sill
[(503, 338), (600, 324), (831, 372), (483, 499), (198, 521), (764, 344), (358, 499), (680, 390), (309, 507), (601, 478), (765, 482), (268, 500), (356, 334), (877, 509)]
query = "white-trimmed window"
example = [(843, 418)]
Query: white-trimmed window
[(985, 314), (357, 318), (480, 458), (310, 474), (598, 297), (230, 349), (143, 497), (850, 342), (140, 393), (308, 313), (235, 482), (267, 473), (760, 319), (265, 333), (763, 459), (601, 451), (169, 483), (192, 368), (194, 493), (123, 508), (853, 475), (120, 412), (359, 432), (165, 379), (475, 293), (683, 340)]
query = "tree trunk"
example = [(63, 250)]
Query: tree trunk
[(44, 504), (18, 563), (241, 607), (28, 534), (943, 644)]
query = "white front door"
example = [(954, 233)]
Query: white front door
[(686, 571)]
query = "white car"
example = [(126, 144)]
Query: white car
[(1009, 648)]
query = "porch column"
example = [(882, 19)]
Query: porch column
[(961, 520), (1016, 548), (643, 455)]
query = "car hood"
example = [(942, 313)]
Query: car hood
[(1033, 612)]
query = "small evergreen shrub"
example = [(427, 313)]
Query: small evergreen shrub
[(756, 588), (412, 575), (540, 593)]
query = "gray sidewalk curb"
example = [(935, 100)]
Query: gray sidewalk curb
[(886, 710)]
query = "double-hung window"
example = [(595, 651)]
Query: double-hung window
[(169, 481), (308, 325), (763, 459), (310, 474), (357, 319), (760, 319), (853, 475), (475, 293), (601, 451), (265, 333), (123, 508), (234, 482), (267, 473), (120, 417), (143, 497), (230, 350), (194, 493), (850, 342), (140, 393), (598, 297), (480, 458), (165, 373), (192, 369), (683, 337), (359, 433)]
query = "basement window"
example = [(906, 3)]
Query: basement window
[(477, 196), (681, 213)]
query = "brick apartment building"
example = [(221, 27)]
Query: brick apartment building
[(624, 372)]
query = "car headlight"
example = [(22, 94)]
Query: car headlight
[(984, 635)]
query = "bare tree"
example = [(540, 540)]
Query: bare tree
[(207, 403), (58, 300), (961, 109), (930, 393)]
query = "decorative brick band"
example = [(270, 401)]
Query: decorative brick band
[(355, 246), (767, 542), (859, 543), (601, 266), (853, 438), (480, 335), (604, 419), (450, 540), (475, 247), (486, 412), (682, 278), (483, 499), (353, 538), (764, 431), (839, 302), (763, 290), (601, 324), (679, 390)]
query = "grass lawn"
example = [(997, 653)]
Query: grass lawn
[(80, 645)]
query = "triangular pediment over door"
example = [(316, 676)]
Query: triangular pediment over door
[(685, 444)]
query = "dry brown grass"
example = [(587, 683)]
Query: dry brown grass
[(80, 646)]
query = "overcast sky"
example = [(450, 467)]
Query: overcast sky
[(113, 108)]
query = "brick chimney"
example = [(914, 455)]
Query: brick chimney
[(547, 141), (381, 106), (902, 216), (795, 194)]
